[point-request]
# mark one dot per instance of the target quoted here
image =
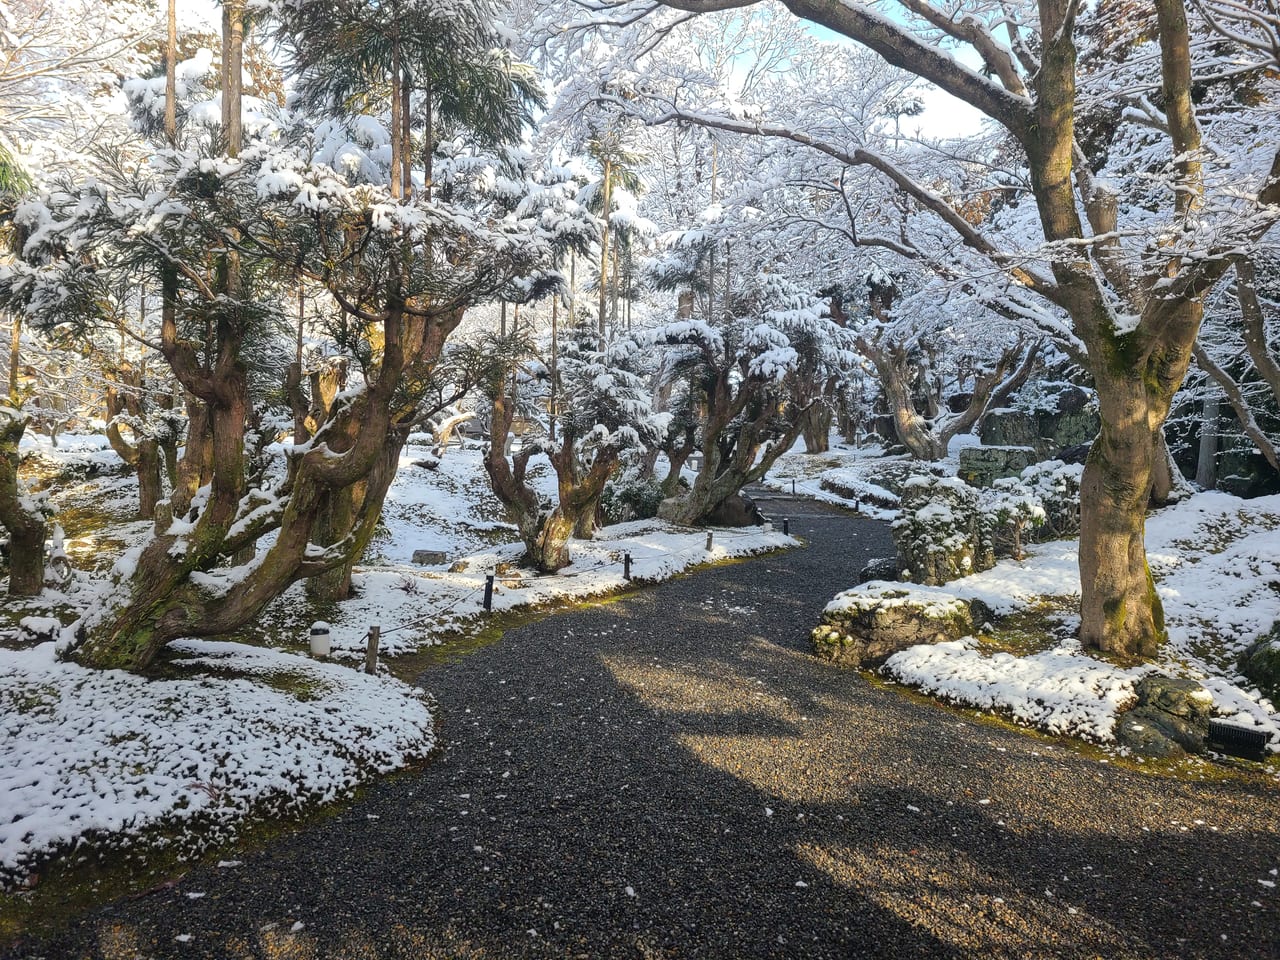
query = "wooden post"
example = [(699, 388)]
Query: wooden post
[(626, 566), (488, 592), (708, 539), (371, 651)]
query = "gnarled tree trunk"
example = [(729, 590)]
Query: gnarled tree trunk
[(734, 451), (816, 428), (546, 532)]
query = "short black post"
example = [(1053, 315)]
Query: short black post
[(793, 486), (708, 539), (488, 592), (857, 506), (371, 651), (626, 566), (786, 527)]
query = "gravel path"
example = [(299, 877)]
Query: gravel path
[(674, 776)]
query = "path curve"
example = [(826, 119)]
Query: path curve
[(673, 775)]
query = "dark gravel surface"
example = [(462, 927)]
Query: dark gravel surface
[(674, 776)]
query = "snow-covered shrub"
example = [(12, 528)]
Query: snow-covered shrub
[(949, 529), (631, 497), (939, 536), (1008, 508), (1057, 485)]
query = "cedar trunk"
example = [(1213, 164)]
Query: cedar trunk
[(817, 429), (26, 528)]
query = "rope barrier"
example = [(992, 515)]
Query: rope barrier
[(545, 578), (448, 608)]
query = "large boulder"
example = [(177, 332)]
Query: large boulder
[(1009, 428), (737, 511), (1069, 428), (1065, 420), (866, 626), (1072, 399), (1260, 664), (1077, 454), (1170, 719), (982, 466), (1242, 472), (880, 568)]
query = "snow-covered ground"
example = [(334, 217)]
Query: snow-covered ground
[(239, 729), (415, 605), (860, 478), (110, 757), (1216, 562), (450, 509)]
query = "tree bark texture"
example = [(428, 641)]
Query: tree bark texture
[(546, 532), (26, 527)]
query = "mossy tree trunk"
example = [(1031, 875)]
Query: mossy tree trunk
[(25, 524), (1136, 372), (1121, 612), (165, 601)]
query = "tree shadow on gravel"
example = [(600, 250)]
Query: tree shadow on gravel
[(656, 778)]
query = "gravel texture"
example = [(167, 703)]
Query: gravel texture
[(674, 775)]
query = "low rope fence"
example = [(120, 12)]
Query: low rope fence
[(372, 638)]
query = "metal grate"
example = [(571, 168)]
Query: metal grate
[(1247, 742)]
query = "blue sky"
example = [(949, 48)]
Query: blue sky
[(944, 115)]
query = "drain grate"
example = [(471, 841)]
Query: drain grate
[(1247, 742)]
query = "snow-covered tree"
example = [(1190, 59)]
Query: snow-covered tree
[(734, 372), (401, 271), (1131, 278), (602, 411)]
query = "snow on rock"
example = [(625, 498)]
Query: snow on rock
[(1051, 569), (930, 601), (1216, 562), (1058, 691), (106, 755)]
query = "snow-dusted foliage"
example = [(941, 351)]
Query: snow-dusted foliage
[(600, 411), (939, 533), (947, 529), (1056, 485), (758, 370), (602, 401)]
